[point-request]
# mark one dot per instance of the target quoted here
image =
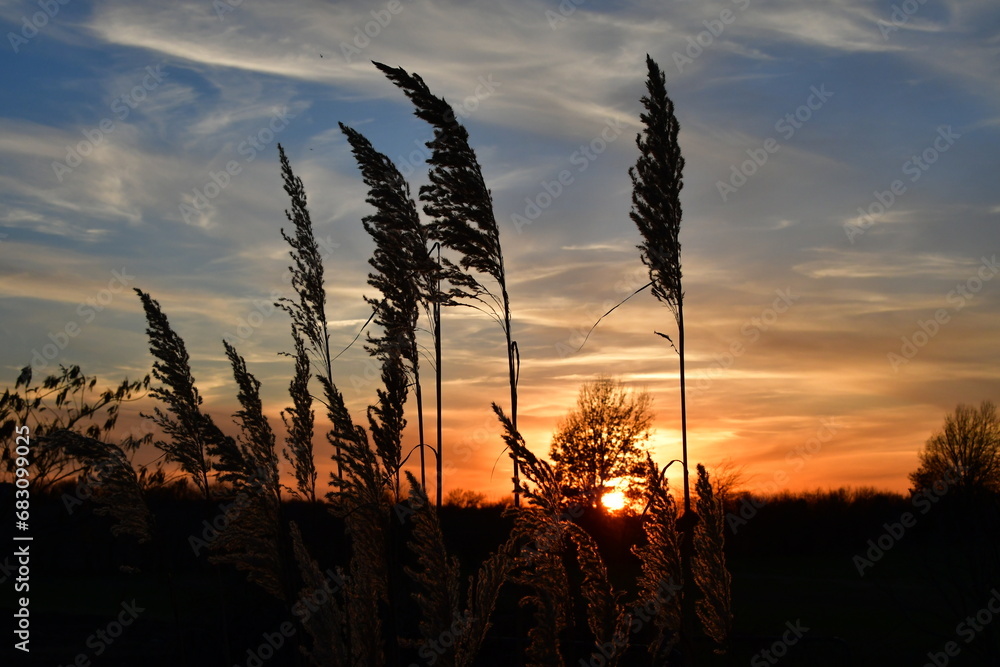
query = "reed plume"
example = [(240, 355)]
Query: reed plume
[(361, 498), (656, 210), (461, 207), (194, 438), (545, 529), (252, 536), (385, 419), (711, 575), (364, 474), (404, 273), (299, 420), (437, 580), (108, 468), (325, 623), (436, 576), (308, 315), (483, 593), (661, 564)]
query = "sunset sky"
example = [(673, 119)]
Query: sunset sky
[(841, 206)]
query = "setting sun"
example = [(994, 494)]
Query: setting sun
[(542, 332), (613, 501)]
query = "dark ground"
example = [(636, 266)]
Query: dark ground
[(792, 565)]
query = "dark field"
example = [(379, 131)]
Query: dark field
[(792, 565)]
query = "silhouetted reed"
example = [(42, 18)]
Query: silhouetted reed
[(463, 220), (366, 617)]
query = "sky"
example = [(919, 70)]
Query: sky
[(839, 235)]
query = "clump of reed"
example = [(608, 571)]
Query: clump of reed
[(549, 556), (461, 207)]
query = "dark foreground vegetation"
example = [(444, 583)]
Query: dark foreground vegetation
[(248, 567), (794, 564)]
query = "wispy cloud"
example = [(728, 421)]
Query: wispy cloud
[(539, 97)]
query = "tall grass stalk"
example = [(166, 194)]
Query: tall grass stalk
[(546, 531), (252, 538), (461, 207), (405, 274), (300, 420), (712, 576), (107, 467), (361, 499), (195, 443), (194, 439), (661, 565), (656, 210), (308, 310), (436, 317)]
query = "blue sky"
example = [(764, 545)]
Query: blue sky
[(804, 271)]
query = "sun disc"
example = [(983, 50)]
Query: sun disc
[(613, 501)]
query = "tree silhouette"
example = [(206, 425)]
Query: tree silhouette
[(602, 439), (965, 454)]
